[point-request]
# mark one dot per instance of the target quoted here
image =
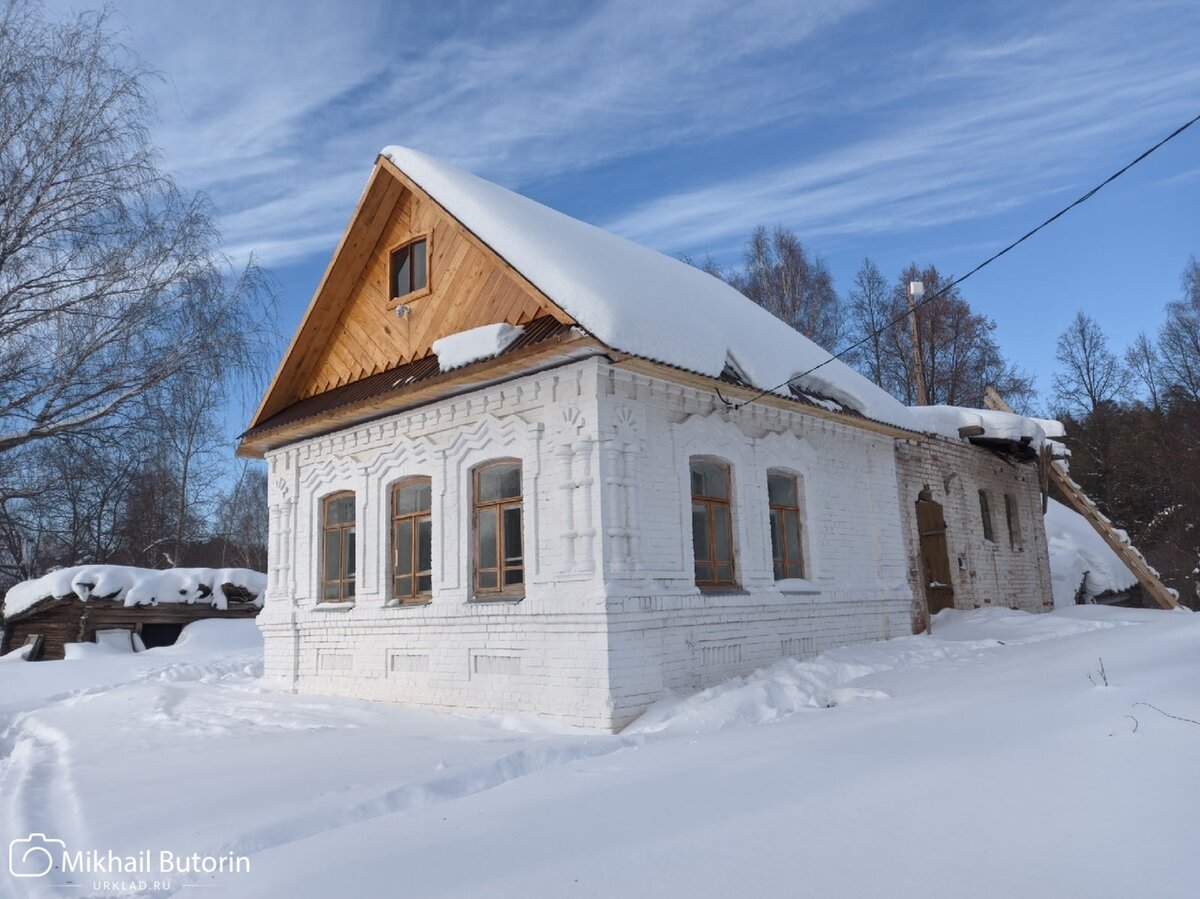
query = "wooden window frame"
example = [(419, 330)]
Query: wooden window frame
[(783, 509), (710, 503), (326, 527), (501, 591), (985, 515), (1012, 518), (405, 299), (415, 596)]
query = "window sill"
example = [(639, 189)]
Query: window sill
[(725, 590), (797, 587), (396, 302), (499, 598), (333, 606), (408, 604)]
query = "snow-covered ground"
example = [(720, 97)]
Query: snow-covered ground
[(987, 760)]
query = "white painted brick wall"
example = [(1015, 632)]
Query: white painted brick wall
[(984, 573), (546, 654), (611, 617), (664, 634)]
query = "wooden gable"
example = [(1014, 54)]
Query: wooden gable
[(352, 330)]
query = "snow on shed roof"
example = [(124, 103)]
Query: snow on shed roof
[(638, 300), (135, 586)]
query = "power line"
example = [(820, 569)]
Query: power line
[(1016, 243)]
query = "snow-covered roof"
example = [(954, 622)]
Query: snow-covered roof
[(637, 300), (993, 424), (136, 586), (648, 304)]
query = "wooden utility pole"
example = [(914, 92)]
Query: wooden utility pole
[(1055, 472), (916, 290)]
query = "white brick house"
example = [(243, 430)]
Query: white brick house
[(503, 479)]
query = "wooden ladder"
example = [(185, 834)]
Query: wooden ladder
[(1056, 472)]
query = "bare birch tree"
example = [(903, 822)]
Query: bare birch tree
[(111, 280), (870, 307), (1179, 340), (959, 353), (1142, 361), (1090, 374), (113, 295), (780, 275)]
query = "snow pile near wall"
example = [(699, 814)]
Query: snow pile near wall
[(136, 586), (20, 654), (216, 635), (789, 686), (456, 350), (1076, 551)]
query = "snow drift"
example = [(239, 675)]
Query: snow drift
[(1079, 556), (996, 733)]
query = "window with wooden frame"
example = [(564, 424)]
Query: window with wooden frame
[(985, 513), (712, 524), (499, 547), (1012, 516), (337, 548), (412, 540), (783, 498), (409, 270)]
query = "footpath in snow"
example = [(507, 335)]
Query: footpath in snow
[(988, 760)]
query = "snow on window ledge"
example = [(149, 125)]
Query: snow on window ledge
[(797, 585), (333, 606)]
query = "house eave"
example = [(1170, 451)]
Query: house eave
[(541, 357)]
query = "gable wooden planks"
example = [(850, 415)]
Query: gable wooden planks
[(309, 346), (352, 331)]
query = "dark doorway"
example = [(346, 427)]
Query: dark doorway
[(935, 556), (160, 634)]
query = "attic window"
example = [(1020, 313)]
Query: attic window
[(409, 272)]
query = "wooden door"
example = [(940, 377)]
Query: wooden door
[(935, 556)]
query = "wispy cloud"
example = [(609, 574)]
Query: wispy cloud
[(277, 108), (1022, 118), (1188, 177)]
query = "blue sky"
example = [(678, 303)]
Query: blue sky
[(924, 132)]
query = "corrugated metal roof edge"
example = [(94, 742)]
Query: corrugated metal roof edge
[(426, 371)]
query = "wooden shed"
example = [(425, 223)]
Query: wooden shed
[(49, 623)]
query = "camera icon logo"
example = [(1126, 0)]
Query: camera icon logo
[(34, 855)]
